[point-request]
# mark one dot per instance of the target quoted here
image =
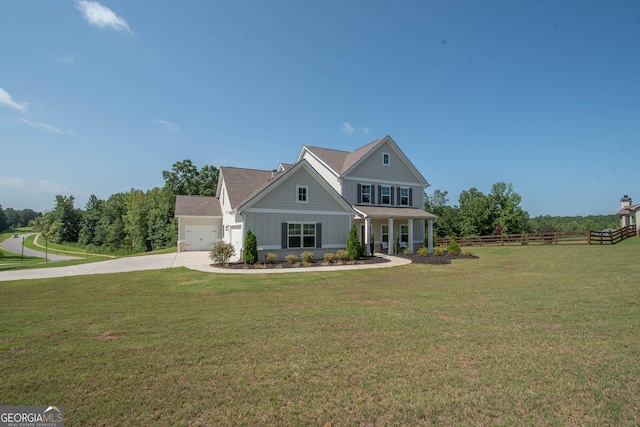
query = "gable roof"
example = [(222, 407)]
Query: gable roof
[(197, 206), (626, 211), (242, 183), (341, 162), (278, 178)]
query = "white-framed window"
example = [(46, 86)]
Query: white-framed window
[(386, 159), (302, 194), (404, 235), (365, 193), (301, 235), (385, 195), (385, 234), (404, 196)]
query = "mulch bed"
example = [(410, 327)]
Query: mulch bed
[(415, 258)]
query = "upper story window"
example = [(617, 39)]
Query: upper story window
[(385, 195), (302, 194), (386, 159), (365, 195), (404, 197)]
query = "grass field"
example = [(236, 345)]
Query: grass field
[(520, 336)]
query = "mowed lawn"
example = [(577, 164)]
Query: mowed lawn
[(520, 336)]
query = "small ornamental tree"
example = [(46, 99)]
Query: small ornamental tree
[(250, 248), (221, 252), (453, 247), (354, 250)]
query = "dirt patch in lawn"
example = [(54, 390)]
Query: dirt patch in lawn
[(436, 259)]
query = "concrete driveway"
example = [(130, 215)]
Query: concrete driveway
[(193, 260)]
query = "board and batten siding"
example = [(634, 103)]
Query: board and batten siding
[(268, 227)]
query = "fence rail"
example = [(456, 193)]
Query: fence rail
[(609, 237)]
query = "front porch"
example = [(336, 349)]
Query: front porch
[(392, 230)]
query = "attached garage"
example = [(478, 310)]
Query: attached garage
[(199, 222), (200, 237)]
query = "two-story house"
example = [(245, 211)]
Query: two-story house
[(312, 204)]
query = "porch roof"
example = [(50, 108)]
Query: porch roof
[(391, 212)]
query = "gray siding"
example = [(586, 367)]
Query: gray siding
[(350, 192), (371, 167), (268, 231), (323, 171), (284, 196)]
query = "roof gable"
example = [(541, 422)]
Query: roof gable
[(241, 183)]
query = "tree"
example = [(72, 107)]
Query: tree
[(3, 220), (509, 216), (250, 248), (47, 225), (448, 221), (354, 249), (90, 219), (68, 219), (208, 180), (476, 213), (185, 179)]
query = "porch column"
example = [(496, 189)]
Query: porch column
[(430, 236), (367, 236), (392, 240), (410, 224)]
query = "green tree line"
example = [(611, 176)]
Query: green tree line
[(134, 221), (499, 212)]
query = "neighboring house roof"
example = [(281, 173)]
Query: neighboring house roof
[(341, 162), (386, 212), (197, 206)]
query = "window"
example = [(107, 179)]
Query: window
[(302, 194), (385, 195), (404, 236), (385, 234), (302, 235), (365, 196), (386, 159), (404, 197)]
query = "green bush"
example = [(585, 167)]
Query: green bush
[(271, 258), (342, 255), (453, 247), (438, 251), (423, 251), (221, 252), (406, 251), (329, 257), (307, 257), (291, 259), (354, 249), (250, 248)]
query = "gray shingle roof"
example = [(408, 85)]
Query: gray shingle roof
[(243, 184), (340, 161), (197, 206), (390, 212)]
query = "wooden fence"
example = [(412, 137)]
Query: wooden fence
[(553, 238)]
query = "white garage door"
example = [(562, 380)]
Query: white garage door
[(200, 237)]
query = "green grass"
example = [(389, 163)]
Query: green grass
[(520, 336)]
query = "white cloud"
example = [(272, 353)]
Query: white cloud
[(53, 187), (169, 126), (45, 127), (347, 128), (44, 185), (365, 130), (5, 99), (101, 16), (65, 60)]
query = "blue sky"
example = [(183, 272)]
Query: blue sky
[(101, 97)]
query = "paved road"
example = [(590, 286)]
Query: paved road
[(14, 244), (193, 260)]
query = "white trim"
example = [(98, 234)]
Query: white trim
[(297, 212), (306, 194), (380, 203), (381, 181), (400, 195), (305, 149), (388, 156), (197, 216)]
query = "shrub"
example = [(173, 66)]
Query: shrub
[(468, 253), (329, 257), (406, 251), (291, 259), (353, 244), (453, 247), (271, 258), (221, 252), (307, 257), (423, 251), (438, 251), (342, 255), (250, 248)]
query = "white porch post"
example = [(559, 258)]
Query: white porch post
[(410, 224), (179, 233), (430, 236), (367, 236), (392, 240)]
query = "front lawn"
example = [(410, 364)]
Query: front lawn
[(519, 336)]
